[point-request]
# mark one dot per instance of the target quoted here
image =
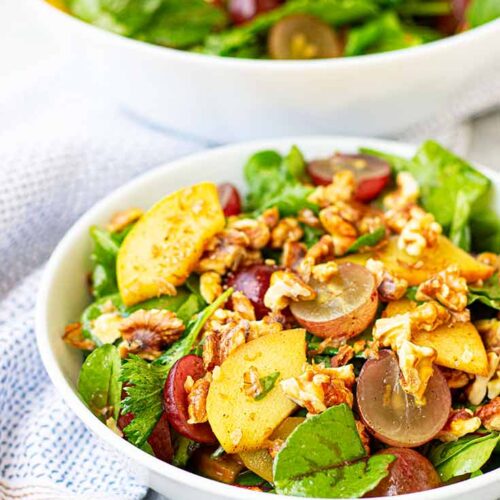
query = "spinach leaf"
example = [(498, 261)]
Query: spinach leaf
[(485, 225), (334, 12), (99, 382), (367, 240), (170, 302), (294, 165), (460, 233), (324, 458), (466, 455), (488, 294), (105, 250), (191, 306), (482, 11), (267, 383)]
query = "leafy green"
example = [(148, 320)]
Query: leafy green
[(367, 240), (334, 12), (325, 458), (99, 382), (466, 455), (267, 384), (94, 310), (170, 302), (146, 380), (183, 451), (488, 293), (249, 478), (460, 233), (311, 235), (191, 306), (276, 181), (425, 8), (482, 12)]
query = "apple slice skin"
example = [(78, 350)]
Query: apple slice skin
[(355, 319)]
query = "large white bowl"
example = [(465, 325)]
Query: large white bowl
[(227, 99), (63, 296)]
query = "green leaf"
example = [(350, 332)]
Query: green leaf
[(466, 455), (94, 310), (294, 165), (460, 230), (488, 294), (185, 447), (325, 458), (267, 384), (193, 305), (169, 302), (104, 252), (368, 240), (482, 12), (99, 382)]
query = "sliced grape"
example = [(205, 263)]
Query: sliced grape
[(176, 403), (229, 198), (391, 414), (344, 306), (242, 11)]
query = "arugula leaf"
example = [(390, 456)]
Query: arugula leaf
[(488, 294), (482, 11), (368, 240), (146, 380), (267, 383), (466, 455), (99, 382), (325, 458)]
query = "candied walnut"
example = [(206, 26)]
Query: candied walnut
[(197, 400), (490, 414), (428, 316), (293, 253), (285, 287), (419, 233), (318, 388), (243, 306), (341, 189), (120, 220), (319, 251), (343, 356), (393, 331), (251, 383), (490, 333), (490, 259), (460, 422), (73, 336), (308, 217), (224, 252), (415, 363), (148, 332), (448, 287), (257, 231), (389, 287), (407, 192), (397, 218), (265, 326), (456, 379), (364, 436), (288, 229), (478, 390), (210, 286), (370, 222), (270, 217), (343, 233), (324, 272)]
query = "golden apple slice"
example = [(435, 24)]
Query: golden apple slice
[(164, 246)]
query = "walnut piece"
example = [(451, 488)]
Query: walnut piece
[(73, 336), (343, 233), (251, 383), (325, 272), (341, 189), (197, 400), (459, 423), (407, 192), (318, 252), (490, 333), (389, 287), (419, 233), (448, 287), (270, 217), (293, 253), (288, 229), (243, 306), (257, 231), (147, 332), (210, 286), (120, 220), (490, 414), (284, 288), (343, 356)]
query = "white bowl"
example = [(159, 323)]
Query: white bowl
[(227, 99), (63, 296)]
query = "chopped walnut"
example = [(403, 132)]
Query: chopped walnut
[(251, 383), (308, 217), (288, 229), (478, 390), (343, 233), (448, 287), (459, 423), (293, 253), (318, 388), (265, 326), (257, 231), (364, 436), (284, 288), (319, 251), (73, 336), (456, 379), (389, 287), (490, 259), (148, 332), (490, 414), (243, 306), (210, 286), (343, 356), (490, 333), (251, 257), (407, 192), (121, 220), (325, 272), (429, 316), (270, 217), (393, 331), (419, 233), (197, 400), (341, 189)]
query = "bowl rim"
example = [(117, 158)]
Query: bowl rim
[(42, 319), (410, 54)]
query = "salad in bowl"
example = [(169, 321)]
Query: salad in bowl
[(331, 333)]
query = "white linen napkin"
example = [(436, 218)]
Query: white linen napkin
[(62, 147)]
